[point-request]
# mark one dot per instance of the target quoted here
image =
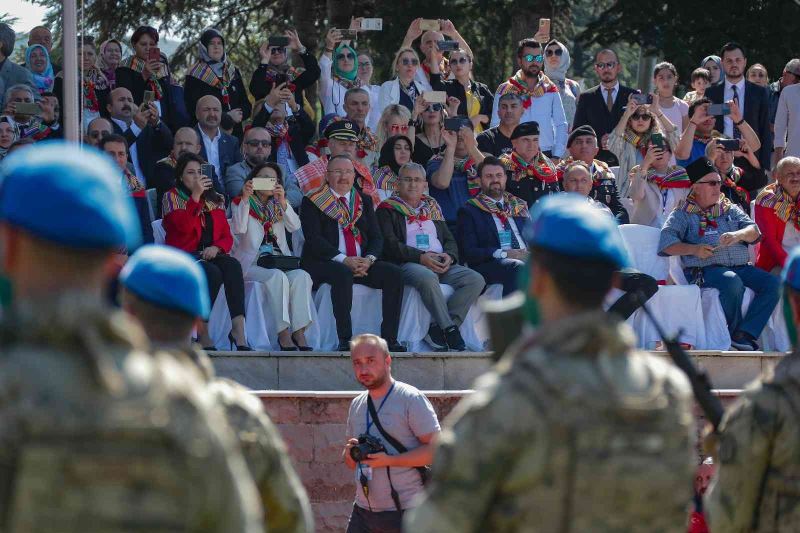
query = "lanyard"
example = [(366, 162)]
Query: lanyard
[(369, 424)]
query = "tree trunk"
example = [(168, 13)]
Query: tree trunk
[(303, 19), (525, 21)]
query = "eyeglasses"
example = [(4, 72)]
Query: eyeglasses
[(397, 127), (255, 143), (461, 60), (639, 116), (340, 173), (434, 108), (277, 50), (533, 58), (346, 55), (610, 64), (412, 180), (713, 183), (406, 61), (554, 52)]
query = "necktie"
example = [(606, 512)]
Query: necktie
[(507, 226), (349, 239), (736, 133), (609, 99)]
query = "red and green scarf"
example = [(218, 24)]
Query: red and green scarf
[(708, 217), (428, 209), (137, 65), (292, 74), (674, 178), (325, 200), (203, 72), (541, 168), (366, 143), (176, 199), (512, 206), (517, 85), (267, 213), (774, 197), (278, 131), (135, 186), (731, 180), (169, 161), (639, 141)]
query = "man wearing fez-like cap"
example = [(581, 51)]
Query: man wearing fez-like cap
[(104, 421), (711, 235), (759, 440), (166, 290), (531, 174), (342, 138), (538, 440)]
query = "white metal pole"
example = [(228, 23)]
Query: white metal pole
[(71, 111)]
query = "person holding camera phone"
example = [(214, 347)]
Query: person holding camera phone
[(194, 221), (41, 125), (437, 30), (391, 428), (262, 219), (740, 181), (143, 71), (275, 68), (656, 186), (339, 71)]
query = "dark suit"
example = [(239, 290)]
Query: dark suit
[(592, 110), (301, 131), (322, 245), (152, 145), (756, 114), (478, 240), (137, 85), (229, 154)]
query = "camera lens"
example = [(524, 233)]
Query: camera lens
[(357, 453)]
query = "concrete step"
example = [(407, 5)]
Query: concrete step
[(332, 371)]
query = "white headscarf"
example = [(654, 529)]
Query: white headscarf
[(559, 73)]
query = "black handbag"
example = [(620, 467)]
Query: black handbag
[(281, 262)]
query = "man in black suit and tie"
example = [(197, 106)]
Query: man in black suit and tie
[(601, 107), (217, 147), (148, 138), (753, 101), (490, 227), (342, 246)]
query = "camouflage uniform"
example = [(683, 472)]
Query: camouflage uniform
[(98, 436), (575, 431), (284, 499), (758, 478)]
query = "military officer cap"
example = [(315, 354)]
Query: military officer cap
[(525, 128), (169, 278), (791, 271), (345, 130), (698, 168), (67, 196), (581, 131), (568, 225)]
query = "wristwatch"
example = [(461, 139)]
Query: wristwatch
[(302, 50), (739, 123), (371, 258)]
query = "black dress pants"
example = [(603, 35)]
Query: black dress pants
[(381, 275), (225, 270)]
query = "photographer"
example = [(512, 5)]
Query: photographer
[(388, 479)]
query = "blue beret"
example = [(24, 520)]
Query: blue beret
[(567, 224), (791, 270), (72, 197), (167, 277)]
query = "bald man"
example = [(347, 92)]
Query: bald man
[(148, 138), (216, 146), (256, 149)]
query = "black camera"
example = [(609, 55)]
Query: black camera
[(367, 444)]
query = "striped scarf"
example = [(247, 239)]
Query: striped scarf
[(176, 199), (639, 141), (311, 177), (385, 179), (466, 166), (267, 213), (278, 131), (731, 180), (135, 186), (347, 84), (325, 200), (366, 143), (708, 217), (137, 65), (428, 208), (541, 168), (674, 178), (774, 197), (272, 72), (203, 72), (512, 206), (517, 85), (169, 161)]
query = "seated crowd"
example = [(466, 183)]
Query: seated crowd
[(429, 177)]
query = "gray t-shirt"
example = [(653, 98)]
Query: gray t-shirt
[(405, 415)]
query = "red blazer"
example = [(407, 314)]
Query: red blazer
[(770, 252), (183, 224)]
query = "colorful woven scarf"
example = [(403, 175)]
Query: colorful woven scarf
[(705, 139), (512, 206), (674, 178), (541, 168), (639, 141), (466, 166), (311, 177), (731, 180), (135, 186), (169, 161), (176, 199), (203, 72), (366, 143), (385, 179), (278, 131), (517, 85), (774, 197), (137, 65), (428, 208), (708, 217), (267, 213), (325, 200), (272, 72)]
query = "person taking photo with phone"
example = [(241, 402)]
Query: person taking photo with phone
[(740, 169), (474, 99), (657, 187), (701, 129), (276, 69)]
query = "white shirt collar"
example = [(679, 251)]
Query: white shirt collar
[(337, 195), (203, 133), (121, 123), (614, 89), (739, 84)]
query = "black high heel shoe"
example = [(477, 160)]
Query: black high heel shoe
[(302, 348), (211, 348), (238, 347)]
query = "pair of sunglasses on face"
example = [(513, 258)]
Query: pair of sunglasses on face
[(530, 58), (345, 55)]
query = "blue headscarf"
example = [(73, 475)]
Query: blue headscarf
[(43, 81)]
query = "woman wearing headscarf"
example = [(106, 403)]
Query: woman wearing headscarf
[(37, 60), (395, 153), (275, 67), (213, 74), (95, 89), (108, 59), (714, 66), (475, 100), (142, 72), (9, 133), (339, 72), (556, 65)]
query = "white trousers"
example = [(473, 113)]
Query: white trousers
[(288, 296)]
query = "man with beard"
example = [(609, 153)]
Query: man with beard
[(406, 424), (531, 174), (256, 149), (541, 100), (601, 107)]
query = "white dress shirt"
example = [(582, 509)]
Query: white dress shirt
[(132, 148), (614, 93), (727, 96), (499, 225), (342, 248), (212, 149), (787, 121)]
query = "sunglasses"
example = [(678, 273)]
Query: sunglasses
[(639, 116), (409, 61), (255, 143), (277, 50), (713, 183), (434, 108), (402, 128), (610, 64), (555, 52), (347, 55), (531, 58), (460, 60)]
